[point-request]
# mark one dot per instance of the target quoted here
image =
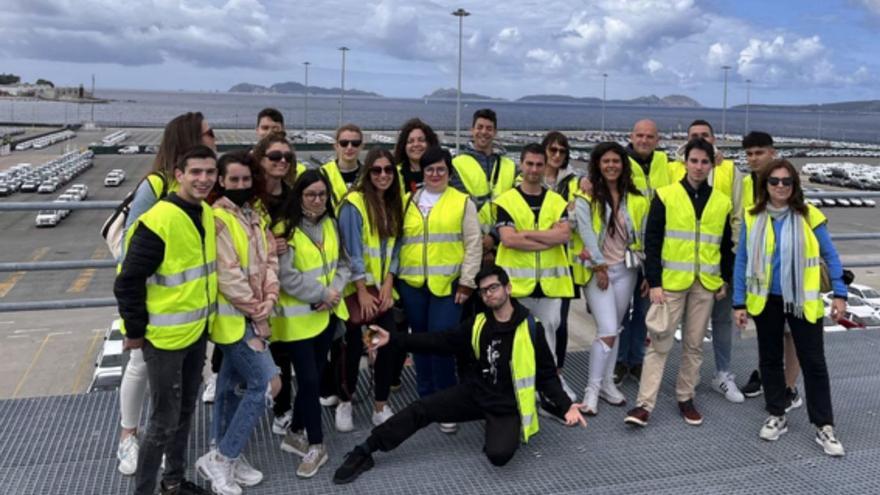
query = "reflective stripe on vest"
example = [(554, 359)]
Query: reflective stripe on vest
[(337, 183), (432, 247), (182, 294), (690, 247), (526, 269), (478, 186), (756, 294), (522, 371)]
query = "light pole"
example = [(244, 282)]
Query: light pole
[(461, 14), (726, 68), (748, 103), (343, 49), (306, 102), (604, 86)]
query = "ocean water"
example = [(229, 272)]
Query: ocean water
[(155, 108)]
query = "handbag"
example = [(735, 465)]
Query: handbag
[(354, 306)]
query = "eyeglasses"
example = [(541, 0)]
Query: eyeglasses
[(785, 181), (209, 133), (490, 289), (344, 143), (435, 171), (276, 156), (377, 171), (556, 150), (311, 196)]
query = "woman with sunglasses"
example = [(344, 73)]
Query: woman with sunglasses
[(610, 225), (414, 139), (371, 221), (777, 279), (182, 133), (342, 173), (247, 280), (440, 254), (313, 272)]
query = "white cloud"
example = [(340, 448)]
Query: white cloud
[(872, 5)]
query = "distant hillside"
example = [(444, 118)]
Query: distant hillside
[(843, 106), (451, 93), (291, 87), (652, 100)]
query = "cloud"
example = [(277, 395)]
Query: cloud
[(873, 6)]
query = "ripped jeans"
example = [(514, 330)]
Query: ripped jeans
[(242, 393)]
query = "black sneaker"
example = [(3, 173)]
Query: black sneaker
[(185, 488), (356, 462), (793, 399), (636, 372), (620, 371), (753, 387)]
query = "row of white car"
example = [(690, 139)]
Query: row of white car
[(44, 141), (110, 360), (51, 218)]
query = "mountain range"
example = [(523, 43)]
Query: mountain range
[(296, 88)]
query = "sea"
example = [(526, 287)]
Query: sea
[(239, 110)]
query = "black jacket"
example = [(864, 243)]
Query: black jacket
[(655, 231), (142, 258)]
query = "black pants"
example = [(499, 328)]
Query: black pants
[(562, 332), (174, 378), (455, 404), (809, 344), (216, 360), (345, 359)]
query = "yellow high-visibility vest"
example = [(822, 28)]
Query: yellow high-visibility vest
[(660, 174), (337, 183), (483, 190), (375, 269)]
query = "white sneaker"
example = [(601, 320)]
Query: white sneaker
[(568, 391), (723, 384), (609, 392), (244, 474), (344, 422), (314, 459), (329, 401), (127, 453), (281, 423), (218, 470), (773, 428), (449, 428), (382, 416), (210, 389), (590, 404), (830, 444)]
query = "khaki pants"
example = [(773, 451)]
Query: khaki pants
[(697, 303)]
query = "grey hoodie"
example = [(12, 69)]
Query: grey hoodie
[(309, 290)]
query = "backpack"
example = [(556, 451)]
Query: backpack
[(114, 227)]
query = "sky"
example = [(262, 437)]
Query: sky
[(792, 51)]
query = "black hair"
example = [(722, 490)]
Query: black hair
[(533, 148), (601, 195), (490, 270), (701, 122), (700, 144), (436, 154), (273, 114), (757, 139), (292, 212), (246, 159), (485, 113), (409, 126), (196, 152), (557, 137)]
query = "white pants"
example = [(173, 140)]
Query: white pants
[(133, 390), (608, 307), (549, 312)]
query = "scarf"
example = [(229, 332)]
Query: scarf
[(792, 262)]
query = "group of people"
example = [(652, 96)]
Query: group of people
[(296, 273)]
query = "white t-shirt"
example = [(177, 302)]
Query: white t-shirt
[(427, 200)]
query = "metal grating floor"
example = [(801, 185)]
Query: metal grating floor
[(67, 444)]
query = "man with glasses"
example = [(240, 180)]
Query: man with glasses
[(504, 359), (342, 173)]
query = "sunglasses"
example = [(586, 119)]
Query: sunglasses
[(555, 150), (785, 181), (209, 133), (276, 156), (377, 171), (343, 143)]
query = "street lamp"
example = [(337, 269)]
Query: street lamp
[(748, 102), (461, 14), (306, 102), (726, 68), (604, 86), (343, 49)]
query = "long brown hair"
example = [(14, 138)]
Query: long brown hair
[(180, 134), (601, 192), (385, 214), (409, 126), (262, 147), (795, 201)]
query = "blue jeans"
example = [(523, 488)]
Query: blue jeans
[(242, 393), (722, 331), (429, 313), (632, 337)]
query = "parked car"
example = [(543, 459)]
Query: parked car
[(5, 190), (29, 186), (869, 294), (82, 190), (112, 180), (47, 187), (47, 218)]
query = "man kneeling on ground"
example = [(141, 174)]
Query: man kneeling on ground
[(504, 357)]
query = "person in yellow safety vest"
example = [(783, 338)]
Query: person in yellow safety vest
[(534, 231), (247, 279), (371, 221), (270, 120), (610, 227), (414, 139), (504, 359), (688, 263), (166, 291), (650, 170), (483, 174), (275, 155), (313, 273), (439, 257), (721, 179), (777, 281), (342, 172)]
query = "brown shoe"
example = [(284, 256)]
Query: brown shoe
[(637, 416), (689, 413)]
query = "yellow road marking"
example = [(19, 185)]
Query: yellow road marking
[(86, 360), (31, 366), (85, 277), (13, 279)]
